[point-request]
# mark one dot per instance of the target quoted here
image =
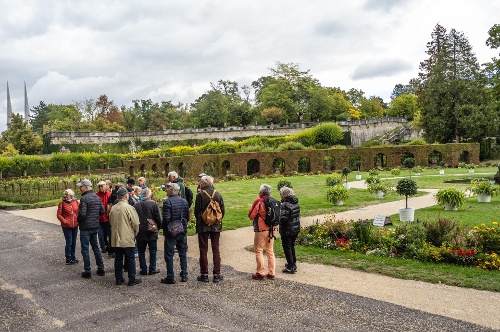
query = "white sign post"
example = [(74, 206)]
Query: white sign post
[(381, 221)]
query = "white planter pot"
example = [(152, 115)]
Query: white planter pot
[(406, 214), (417, 173), (448, 207), (441, 171), (347, 185), (358, 176), (379, 194), (483, 198), (471, 170), (338, 203)]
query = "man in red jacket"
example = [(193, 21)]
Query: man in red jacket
[(104, 226)]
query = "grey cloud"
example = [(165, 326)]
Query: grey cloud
[(383, 5), (380, 68), (331, 28)]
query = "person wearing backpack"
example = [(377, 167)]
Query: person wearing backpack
[(263, 235), (209, 228), (289, 227)]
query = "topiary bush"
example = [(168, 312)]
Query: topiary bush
[(284, 183), (333, 179)]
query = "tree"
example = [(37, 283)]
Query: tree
[(492, 69), (39, 117), (452, 86), (371, 108), (404, 105), (20, 134), (273, 115)]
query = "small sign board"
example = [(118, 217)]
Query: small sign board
[(381, 221)]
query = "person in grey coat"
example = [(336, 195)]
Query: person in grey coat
[(289, 227), (88, 221)]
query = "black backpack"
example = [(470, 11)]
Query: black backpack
[(273, 207)]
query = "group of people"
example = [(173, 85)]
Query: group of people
[(126, 220)]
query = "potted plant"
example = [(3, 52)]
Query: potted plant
[(441, 166), (470, 167), (379, 188), (451, 198), (337, 194), (417, 170), (345, 174), (333, 179), (357, 164), (484, 190), (409, 163), (373, 172), (406, 187), (396, 171)]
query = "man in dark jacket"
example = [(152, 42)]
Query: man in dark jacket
[(289, 227), (204, 231), (147, 209), (175, 208), (88, 220)]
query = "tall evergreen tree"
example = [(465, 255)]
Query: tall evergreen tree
[(39, 117), (452, 89)]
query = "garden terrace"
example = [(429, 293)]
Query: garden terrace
[(305, 161)]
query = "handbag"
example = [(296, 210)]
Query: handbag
[(175, 227), (152, 226)]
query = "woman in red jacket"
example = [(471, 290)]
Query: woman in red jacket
[(67, 213)]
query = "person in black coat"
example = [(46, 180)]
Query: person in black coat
[(147, 209), (289, 227)]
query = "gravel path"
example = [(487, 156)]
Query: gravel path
[(474, 306)]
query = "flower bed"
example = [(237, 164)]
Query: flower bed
[(432, 241)]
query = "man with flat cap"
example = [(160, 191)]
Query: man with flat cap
[(124, 222), (88, 221)]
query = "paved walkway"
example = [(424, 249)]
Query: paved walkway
[(479, 307)]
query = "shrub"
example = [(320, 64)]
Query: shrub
[(284, 183), (378, 186), (451, 196), (337, 193), (333, 179), (291, 146), (417, 141), (483, 187), (327, 133), (396, 171), (440, 230)]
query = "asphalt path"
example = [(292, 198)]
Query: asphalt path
[(38, 292)]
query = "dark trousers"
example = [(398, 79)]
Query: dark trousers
[(153, 248), (179, 242), (130, 261), (288, 243), (105, 236), (203, 244)]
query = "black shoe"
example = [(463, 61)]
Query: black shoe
[(104, 251), (120, 282), (167, 281), (154, 272), (101, 273), (69, 262), (144, 273), (218, 277), (86, 275), (289, 271), (184, 279), (74, 261), (111, 255), (202, 278), (136, 282)]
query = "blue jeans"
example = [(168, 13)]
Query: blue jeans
[(130, 262), (89, 236), (153, 248), (179, 242), (70, 235)]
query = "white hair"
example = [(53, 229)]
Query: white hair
[(173, 174), (265, 189), (285, 192)]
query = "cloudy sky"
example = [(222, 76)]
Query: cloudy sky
[(68, 51)]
